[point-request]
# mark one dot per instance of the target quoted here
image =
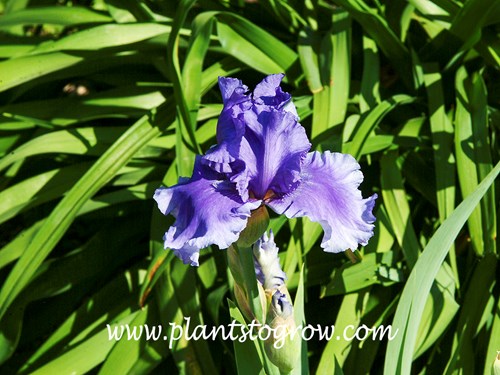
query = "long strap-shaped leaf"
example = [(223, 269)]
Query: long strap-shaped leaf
[(370, 121), (376, 26), (187, 120), (408, 315), (62, 216)]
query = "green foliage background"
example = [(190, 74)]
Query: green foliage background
[(103, 101)]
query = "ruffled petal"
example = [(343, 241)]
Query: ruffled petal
[(232, 90), (229, 134), (328, 193), (272, 148), (231, 127), (208, 211), (229, 131), (188, 254), (269, 92)]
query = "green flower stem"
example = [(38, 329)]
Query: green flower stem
[(250, 280), (245, 256)]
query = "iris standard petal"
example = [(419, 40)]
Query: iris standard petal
[(227, 150), (272, 148), (269, 92), (208, 210), (229, 131), (267, 96), (232, 90), (328, 193)]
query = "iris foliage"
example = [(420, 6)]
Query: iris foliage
[(103, 101)]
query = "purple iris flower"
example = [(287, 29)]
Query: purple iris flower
[(262, 158)]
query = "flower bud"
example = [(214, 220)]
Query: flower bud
[(496, 365), (267, 263), (284, 343)]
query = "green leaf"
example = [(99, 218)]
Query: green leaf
[(473, 307), (126, 353), (247, 355), (330, 101), (52, 113), (352, 277), (370, 120), (464, 32), (442, 142), (38, 189), (84, 356), (408, 315), (439, 312), (308, 44), (494, 342), (377, 28), (155, 270), (253, 45), (186, 144), (75, 141), (111, 303), (102, 37), (398, 208), (337, 349), (370, 82), (61, 217), (473, 157), (86, 45), (300, 320), (58, 15)]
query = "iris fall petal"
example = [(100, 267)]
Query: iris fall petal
[(328, 193), (208, 210)]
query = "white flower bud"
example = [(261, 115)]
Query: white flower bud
[(496, 365), (267, 262)]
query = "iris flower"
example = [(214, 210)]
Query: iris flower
[(262, 158)]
